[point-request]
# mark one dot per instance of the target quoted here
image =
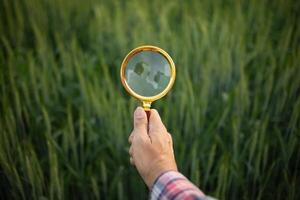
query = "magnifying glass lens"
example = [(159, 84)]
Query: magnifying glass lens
[(148, 73)]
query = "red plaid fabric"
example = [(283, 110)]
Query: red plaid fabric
[(173, 185)]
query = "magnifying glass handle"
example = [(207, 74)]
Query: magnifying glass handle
[(147, 106)]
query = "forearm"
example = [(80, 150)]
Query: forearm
[(173, 185)]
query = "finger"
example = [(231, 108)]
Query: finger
[(130, 138), (155, 123), (131, 161), (140, 121), (130, 151)]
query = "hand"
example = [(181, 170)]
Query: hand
[(151, 150)]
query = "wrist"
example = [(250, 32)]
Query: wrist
[(158, 171)]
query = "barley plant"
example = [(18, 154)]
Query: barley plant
[(233, 111)]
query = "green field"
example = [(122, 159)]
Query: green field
[(233, 111)]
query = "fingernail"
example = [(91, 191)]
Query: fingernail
[(139, 112)]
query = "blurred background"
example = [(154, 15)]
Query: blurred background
[(233, 111)]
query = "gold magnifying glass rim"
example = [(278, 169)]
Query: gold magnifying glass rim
[(148, 99)]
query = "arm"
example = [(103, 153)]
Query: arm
[(173, 185), (151, 152)]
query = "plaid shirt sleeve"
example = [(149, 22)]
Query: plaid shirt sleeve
[(173, 185)]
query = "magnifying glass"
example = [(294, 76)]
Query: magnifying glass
[(147, 73)]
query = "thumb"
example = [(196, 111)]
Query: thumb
[(140, 120)]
